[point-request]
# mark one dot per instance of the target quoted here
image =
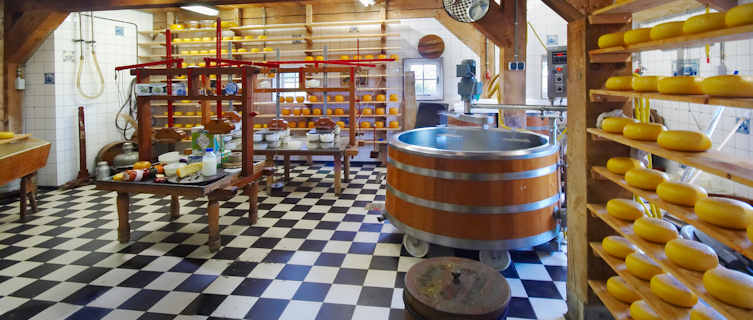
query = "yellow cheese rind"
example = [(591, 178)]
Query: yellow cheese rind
[(704, 22), (637, 36), (646, 83), (702, 312), (609, 40), (644, 178), (729, 286), (620, 165), (616, 124), (724, 212), (617, 246), (684, 140), (641, 266), (640, 310), (672, 291), (680, 85), (624, 209), (740, 15), (679, 193), (667, 30), (643, 131), (691, 254), (655, 229), (728, 86), (621, 83), (618, 288)]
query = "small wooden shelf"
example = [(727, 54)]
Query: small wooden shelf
[(598, 95), (717, 163), (735, 239), (663, 309), (693, 40), (618, 309), (691, 279)]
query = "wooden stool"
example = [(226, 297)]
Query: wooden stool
[(454, 288), (28, 191)]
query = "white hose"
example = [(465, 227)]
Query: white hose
[(99, 72)]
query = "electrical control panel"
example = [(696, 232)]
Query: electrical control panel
[(557, 75)]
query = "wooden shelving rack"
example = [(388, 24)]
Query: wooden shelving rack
[(590, 148)]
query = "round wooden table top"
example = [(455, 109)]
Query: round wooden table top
[(455, 288), (431, 46)]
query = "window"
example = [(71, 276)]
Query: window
[(288, 80), (429, 80)]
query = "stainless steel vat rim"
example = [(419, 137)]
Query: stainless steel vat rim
[(450, 207), (468, 244), (530, 153), (452, 175)]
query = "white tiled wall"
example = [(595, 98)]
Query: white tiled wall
[(547, 23), (50, 111), (688, 116)]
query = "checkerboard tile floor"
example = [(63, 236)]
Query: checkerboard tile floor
[(311, 255)]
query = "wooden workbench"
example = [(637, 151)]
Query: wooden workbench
[(21, 159)]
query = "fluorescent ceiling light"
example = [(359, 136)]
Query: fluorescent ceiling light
[(207, 11)]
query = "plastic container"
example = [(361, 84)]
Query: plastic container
[(209, 163), (172, 168)]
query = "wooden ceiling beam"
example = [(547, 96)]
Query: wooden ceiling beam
[(28, 31), (95, 5), (565, 9)]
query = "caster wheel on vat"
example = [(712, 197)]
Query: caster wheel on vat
[(497, 259), (415, 247)]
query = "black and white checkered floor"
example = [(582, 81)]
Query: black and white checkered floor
[(311, 256)]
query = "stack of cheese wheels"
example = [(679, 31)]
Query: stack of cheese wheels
[(724, 212), (646, 83), (672, 291), (655, 230), (728, 86), (704, 22), (739, 16), (691, 255), (609, 40), (624, 209), (620, 165), (646, 179), (640, 310), (621, 83), (617, 246), (641, 266), (667, 30), (616, 124), (643, 131), (730, 286), (683, 140), (618, 288), (637, 36), (683, 194), (680, 85)]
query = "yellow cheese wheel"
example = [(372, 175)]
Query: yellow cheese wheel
[(617, 246), (640, 310), (615, 124), (702, 312), (6, 134), (637, 36), (750, 232), (740, 15), (672, 291), (646, 83), (724, 212), (618, 288), (704, 22), (643, 131), (624, 209), (730, 286), (691, 254), (620, 165), (612, 40), (667, 30), (683, 140), (683, 194), (680, 85), (644, 178), (641, 266), (654, 229), (622, 83), (728, 86)]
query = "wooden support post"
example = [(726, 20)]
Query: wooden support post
[(213, 213), (252, 191), (124, 224), (144, 107), (513, 83), (174, 206)]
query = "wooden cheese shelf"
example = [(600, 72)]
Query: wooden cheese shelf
[(327, 116), (691, 279), (278, 39), (735, 239), (282, 52), (618, 309), (598, 95), (629, 7), (642, 287), (281, 26), (693, 40), (721, 164), (196, 98)]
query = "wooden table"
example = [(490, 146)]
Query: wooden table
[(221, 190), (22, 159), (340, 153)]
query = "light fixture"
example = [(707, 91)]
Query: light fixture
[(207, 11), (367, 3)]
